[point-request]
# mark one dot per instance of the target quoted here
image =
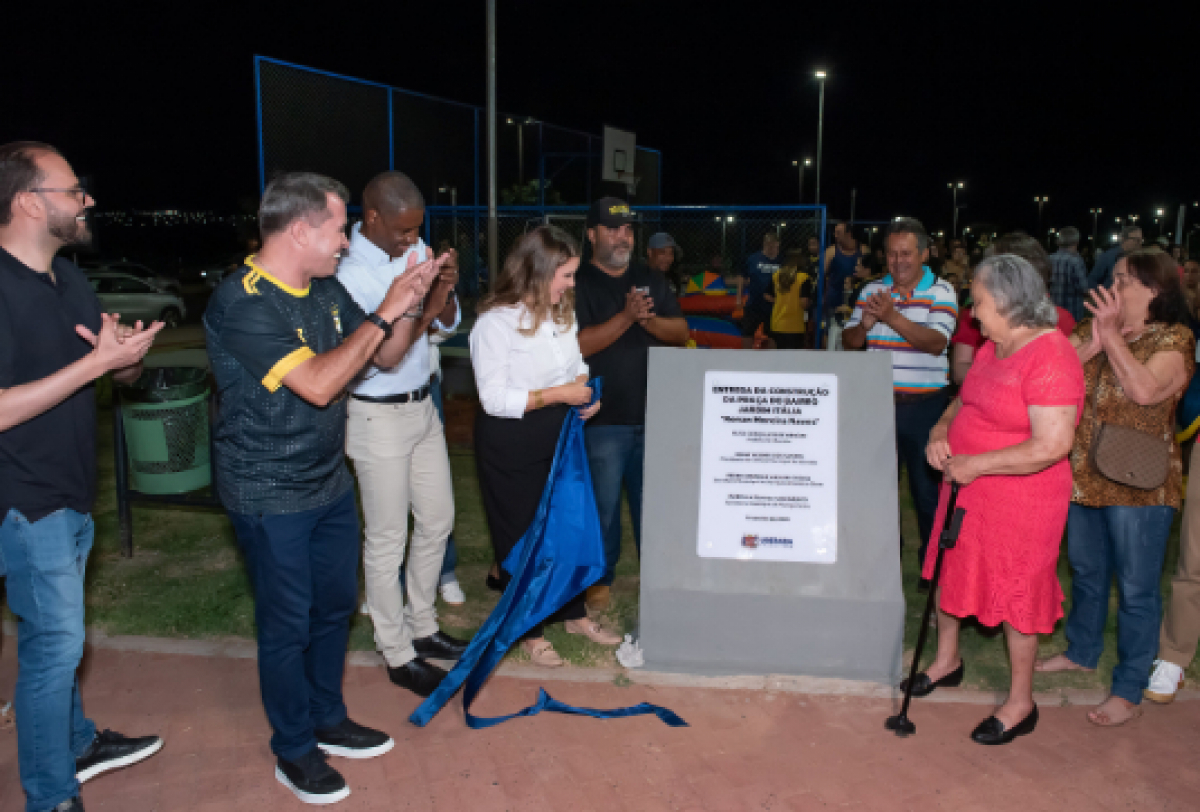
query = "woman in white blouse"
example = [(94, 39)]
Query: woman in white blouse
[(529, 372)]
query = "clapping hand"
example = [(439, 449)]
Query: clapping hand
[(639, 306), (119, 346), (877, 307)]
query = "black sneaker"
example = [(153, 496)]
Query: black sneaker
[(70, 805), (111, 751), (313, 781), (352, 740)]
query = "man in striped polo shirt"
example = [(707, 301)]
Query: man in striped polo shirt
[(911, 314)]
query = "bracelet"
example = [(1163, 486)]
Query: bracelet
[(538, 403)]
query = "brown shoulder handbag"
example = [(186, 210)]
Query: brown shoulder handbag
[(1127, 455)]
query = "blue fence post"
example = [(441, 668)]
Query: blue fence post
[(262, 166)]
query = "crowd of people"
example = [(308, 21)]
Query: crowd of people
[(1046, 392)]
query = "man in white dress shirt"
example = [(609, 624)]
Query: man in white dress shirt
[(396, 441)]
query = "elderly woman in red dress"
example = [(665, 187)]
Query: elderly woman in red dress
[(1005, 440)]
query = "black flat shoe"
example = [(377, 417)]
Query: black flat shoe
[(493, 583), (440, 646), (991, 730), (417, 676), (924, 686)]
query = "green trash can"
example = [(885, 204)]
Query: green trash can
[(165, 417)]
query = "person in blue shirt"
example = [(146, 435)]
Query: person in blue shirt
[(755, 284), (841, 259), (1102, 271)]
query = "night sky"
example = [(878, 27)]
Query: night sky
[(1017, 101)]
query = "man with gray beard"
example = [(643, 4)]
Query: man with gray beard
[(623, 310)]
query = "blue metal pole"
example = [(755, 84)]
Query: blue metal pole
[(262, 165)]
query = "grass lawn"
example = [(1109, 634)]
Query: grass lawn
[(187, 579)]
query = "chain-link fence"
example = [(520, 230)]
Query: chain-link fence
[(710, 238), (352, 129)]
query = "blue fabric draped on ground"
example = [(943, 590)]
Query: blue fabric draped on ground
[(560, 555)]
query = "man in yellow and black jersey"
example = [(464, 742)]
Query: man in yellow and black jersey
[(285, 339)]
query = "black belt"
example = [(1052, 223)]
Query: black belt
[(415, 396), (905, 398)]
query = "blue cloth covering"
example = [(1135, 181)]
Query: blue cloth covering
[(560, 555)]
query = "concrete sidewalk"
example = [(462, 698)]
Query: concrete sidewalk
[(745, 750)]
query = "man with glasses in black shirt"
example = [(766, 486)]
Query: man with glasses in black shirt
[(54, 344)]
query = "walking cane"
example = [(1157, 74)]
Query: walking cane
[(951, 525)]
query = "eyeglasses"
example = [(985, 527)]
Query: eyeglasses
[(73, 192)]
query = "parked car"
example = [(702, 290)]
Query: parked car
[(136, 299), (165, 283), (213, 274)]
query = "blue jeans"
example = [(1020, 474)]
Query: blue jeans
[(616, 456), (304, 568), (1130, 543), (44, 563)]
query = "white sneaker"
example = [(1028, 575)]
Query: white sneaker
[(364, 609), (1165, 680), (452, 593)]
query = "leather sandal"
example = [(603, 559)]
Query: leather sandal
[(541, 652), (592, 631)]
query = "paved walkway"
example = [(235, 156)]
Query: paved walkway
[(745, 750)]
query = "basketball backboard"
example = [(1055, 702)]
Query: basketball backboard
[(620, 153)]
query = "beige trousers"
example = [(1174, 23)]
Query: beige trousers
[(399, 454), (1181, 621)]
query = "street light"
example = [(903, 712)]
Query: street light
[(1095, 214), (954, 187), (800, 165), (724, 222), (1041, 201), (1159, 216), (521, 148), (820, 76)]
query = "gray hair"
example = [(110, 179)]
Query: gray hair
[(1068, 236), (909, 225), (1018, 290), (291, 196)]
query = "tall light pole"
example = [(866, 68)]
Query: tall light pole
[(724, 221), (800, 166), (1159, 215), (820, 75), (1041, 201), (954, 187), (520, 150), (493, 229), (453, 190), (1095, 227)]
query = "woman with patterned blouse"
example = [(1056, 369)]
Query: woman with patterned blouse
[(1138, 357)]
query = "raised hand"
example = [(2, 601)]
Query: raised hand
[(1105, 307)]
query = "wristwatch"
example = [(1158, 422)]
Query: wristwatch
[(379, 322)]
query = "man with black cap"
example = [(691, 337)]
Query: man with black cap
[(623, 310)]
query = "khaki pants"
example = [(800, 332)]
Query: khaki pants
[(399, 454), (1181, 622)]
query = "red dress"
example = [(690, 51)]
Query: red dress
[(1004, 567)]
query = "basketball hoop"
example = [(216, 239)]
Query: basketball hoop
[(630, 180)]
